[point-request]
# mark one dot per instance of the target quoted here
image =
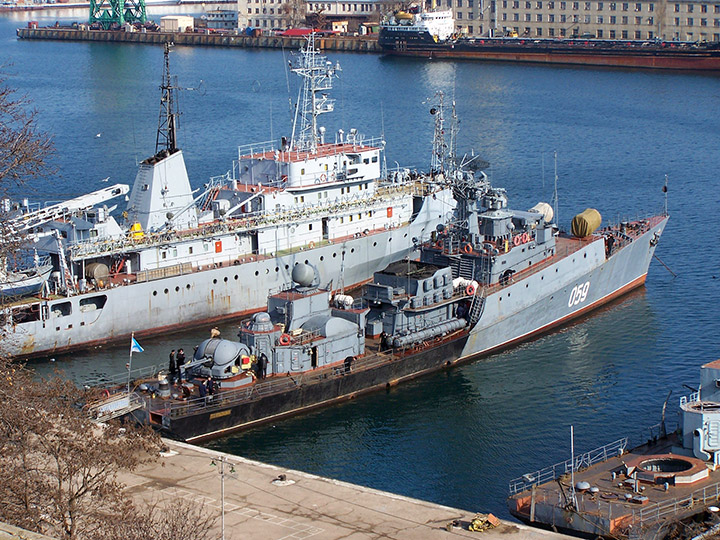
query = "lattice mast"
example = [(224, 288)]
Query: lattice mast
[(110, 12), (167, 123), (317, 73), (439, 150)]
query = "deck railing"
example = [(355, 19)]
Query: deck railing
[(585, 460)]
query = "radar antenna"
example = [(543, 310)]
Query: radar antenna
[(317, 73)]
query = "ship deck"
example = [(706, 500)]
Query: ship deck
[(323, 150), (627, 490)]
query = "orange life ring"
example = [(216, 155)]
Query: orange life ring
[(284, 339), (517, 240), (526, 238), (106, 393), (323, 177), (470, 290), (440, 243), (467, 248), (311, 245)]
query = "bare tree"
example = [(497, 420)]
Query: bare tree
[(24, 155), (24, 149), (317, 19), (295, 11)]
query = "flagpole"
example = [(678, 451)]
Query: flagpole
[(132, 342)]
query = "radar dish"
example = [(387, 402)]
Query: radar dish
[(303, 275)]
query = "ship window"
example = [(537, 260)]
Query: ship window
[(206, 246), (154, 293), (351, 218), (375, 159), (302, 171), (236, 277), (359, 216), (322, 258), (342, 220), (625, 6), (366, 161), (163, 255), (174, 252), (177, 289), (310, 227), (326, 168), (91, 304), (319, 196), (374, 244), (145, 187), (334, 255), (302, 198), (187, 286), (225, 280), (166, 291), (190, 250)]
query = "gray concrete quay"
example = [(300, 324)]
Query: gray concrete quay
[(260, 506)]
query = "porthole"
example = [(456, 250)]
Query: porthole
[(277, 269), (225, 280), (307, 262), (527, 285), (154, 293), (390, 239), (405, 235), (322, 257), (287, 267), (177, 289), (352, 250), (214, 281), (334, 255), (585, 256), (374, 244), (257, 273), (236, 277), (267, 271), (556, 270), (166, 291), (187, 286)]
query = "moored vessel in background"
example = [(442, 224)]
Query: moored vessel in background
[(179, 258), (430, 35)]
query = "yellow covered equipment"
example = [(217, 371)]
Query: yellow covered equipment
[(585, 223)]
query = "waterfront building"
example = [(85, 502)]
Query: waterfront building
[(685, 20), (282, 14)]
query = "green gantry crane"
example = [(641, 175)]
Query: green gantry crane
[(108, 12)]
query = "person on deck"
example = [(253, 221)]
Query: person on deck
[(173, 368)]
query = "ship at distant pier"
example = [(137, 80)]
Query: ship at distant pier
[(432, 35)]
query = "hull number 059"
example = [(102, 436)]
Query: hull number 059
[(578, 294)]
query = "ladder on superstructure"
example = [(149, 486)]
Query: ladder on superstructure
[(477, 307)]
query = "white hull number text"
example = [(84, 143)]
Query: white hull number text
[(578, 294)]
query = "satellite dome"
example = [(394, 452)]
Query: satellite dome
[(303, 275)]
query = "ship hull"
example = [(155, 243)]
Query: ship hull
[(502, 324), (580, 53), (212, 295)]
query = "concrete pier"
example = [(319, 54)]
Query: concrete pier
[(331, 43), (259, 506)]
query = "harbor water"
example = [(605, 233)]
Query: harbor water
[(453, 438)]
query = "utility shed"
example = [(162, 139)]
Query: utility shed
[(176, 23)]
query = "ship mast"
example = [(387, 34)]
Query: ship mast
[(167, 123), (317, 73)]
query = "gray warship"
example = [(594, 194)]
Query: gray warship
[(492, 277), (179, 258)]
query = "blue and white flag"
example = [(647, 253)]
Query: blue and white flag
[(135, 346)]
